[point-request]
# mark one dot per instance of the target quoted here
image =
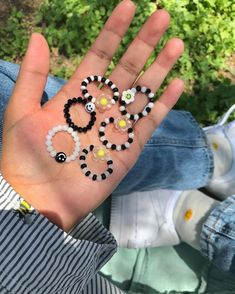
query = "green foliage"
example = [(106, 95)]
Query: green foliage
[(206, 26), (13, 37)]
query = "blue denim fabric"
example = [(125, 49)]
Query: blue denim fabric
[(218, 236), (177, 146)]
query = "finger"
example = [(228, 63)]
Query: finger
[(31, 81), (132, 62), (146, 126), (98, 58)]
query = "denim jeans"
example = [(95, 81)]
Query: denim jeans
[(176, 157)]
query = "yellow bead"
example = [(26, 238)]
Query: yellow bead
[(103, 101), (101, 153), (188, 214), (122, 123)]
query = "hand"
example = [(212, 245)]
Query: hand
[(60, 191)]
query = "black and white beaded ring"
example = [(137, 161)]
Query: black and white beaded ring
[(102, 80), (61, 156), (129, 96), (88, 173), (109, 145), (89, 107)]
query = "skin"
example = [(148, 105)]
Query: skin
[(60, 191)]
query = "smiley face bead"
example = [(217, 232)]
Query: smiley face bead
[(90, 107)]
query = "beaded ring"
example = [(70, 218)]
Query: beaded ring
[(61, 156), (105, 142), (88, 173), (128, 97), (89, 107), (103, 102)]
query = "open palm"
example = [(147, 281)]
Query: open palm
[(61, 191)]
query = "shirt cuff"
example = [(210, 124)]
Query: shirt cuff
[(38, 257)]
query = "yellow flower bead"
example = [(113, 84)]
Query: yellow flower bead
[(101, 153), (188, 214), (103, 101), (122, 123)]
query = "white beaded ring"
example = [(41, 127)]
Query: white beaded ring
[(61, 156), (147, 108), (107, 144), (88, 173), (99, 79)]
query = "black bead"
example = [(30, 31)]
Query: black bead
[(105, 142), (84, 92), (89, 127), (76, 128), (130, 140), (85, 151), (79, 100), (148, 91), (115, 90), (124, 112), (95, 78), (138, 88), (151, 100), (110, 83), (109, 162), (141, 115), (111, 119), (130, 130), (83, 165), (60, 157), (110, 170), (79, 129), (123, 103), (70, 101), (87, 173), (90, 98), (132, 117), (101, 134), (84, 130), (148, 109), (68, 120), (103, 124), (113, 147), (93, 114), (103, 176), (66, 107), (74, 100), (115, 98), (89, 79), (103, 80), (82, 157), (94, 177), (92, 147), (123, 147), (67, 115), (84, 84), (71, 125)]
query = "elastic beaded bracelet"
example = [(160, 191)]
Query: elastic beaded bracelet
[(103, 102), (89, 107), (87, 172), (129, 96), (109, 145), (61, 156)]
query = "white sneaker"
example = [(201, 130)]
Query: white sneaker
[(144, 219), (224, 184)]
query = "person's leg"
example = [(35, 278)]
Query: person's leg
[(177, 147)]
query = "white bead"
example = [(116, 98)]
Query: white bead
[(82, 161), (111, 166), (50, 148), (48, 143), (93, 100), (122, 108), (127, 144), (118, 148), (64, 127), (145, 113), (128, 115), (70, 130), (86, 95), (131, 135), (102, 129), (74, 135), (92, 78), (73, 157), (83, 87), (99, 78), (151, 95), (113, 86), (107, 81), (86, 81), (68, 159), (133, 90), (108, 145), (54, 130), (53, 153), (76, 139), (113, 101), (90, 175), (116, 94), (102, 138), (136, 116), (99, 178), (107, 120), (143, 89), (107, 174), (151, 105), (48, 138)]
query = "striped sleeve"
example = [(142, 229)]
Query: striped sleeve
[(38, 257)]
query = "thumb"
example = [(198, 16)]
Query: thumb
[(31, 81)]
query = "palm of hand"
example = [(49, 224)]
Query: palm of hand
[(61, 191)]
